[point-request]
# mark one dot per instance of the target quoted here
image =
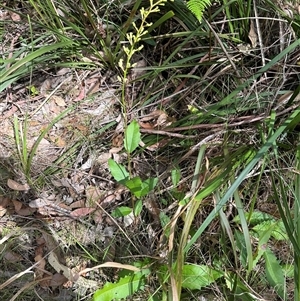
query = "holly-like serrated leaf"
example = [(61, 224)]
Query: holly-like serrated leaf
[(118, 171), (274, 273), (132, 136), (125, 287)]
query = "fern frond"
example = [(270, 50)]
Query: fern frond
[(197, 7)]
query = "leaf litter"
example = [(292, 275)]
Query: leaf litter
[(74, 193)]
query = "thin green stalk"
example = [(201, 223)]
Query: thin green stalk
[(297, 227), (240, 209), (125, 65), (193, 206), (228, 15)]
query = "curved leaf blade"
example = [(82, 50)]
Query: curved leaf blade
[(132, 136), (122, 289)]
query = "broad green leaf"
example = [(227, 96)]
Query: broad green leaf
[(138, 206), (148, 185), (132, 136), (135, 186), (151, 182), (121, 211), (277, 228), (264, 236), (236, 284), (288, 270), (198, 276), (274, 272), (175, 176), (279, 231), (118, 171), (125, 287), (256, 217)]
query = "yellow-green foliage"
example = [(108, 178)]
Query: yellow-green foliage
[(197, 7)]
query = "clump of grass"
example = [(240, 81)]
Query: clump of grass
[(224, 146)]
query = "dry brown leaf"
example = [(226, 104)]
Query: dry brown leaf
[(33, 123), (98, 217), (81, 95), (40, 267), (26, 211), (93, 193), (103, 158), (17, 205), (77, 204), (17, 186), (115, 150), (45, 281), (59, 101), (12, 256), (80, 212), (164, 120), (3, 205), (54, 108), (158, 145), (39, 203), (57, 280), (117, 140), (146, 125), (152, 207), (82, 128), (252, 35), (69, 274), (108, 200), (15, 17)]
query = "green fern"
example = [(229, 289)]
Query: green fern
[(197, 7)]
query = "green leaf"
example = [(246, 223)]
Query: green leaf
[(198, 276), (256, 217), (138, 207), (20, 66), (118, 171), (277, 227), (121, 211), (175, 176), (125, 287), (264, 236), (288, 270), (279, 231), (241, 245), (135, 186), (274, 272), (197, 7), (148, 185), (164, 221), (132, 136)]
